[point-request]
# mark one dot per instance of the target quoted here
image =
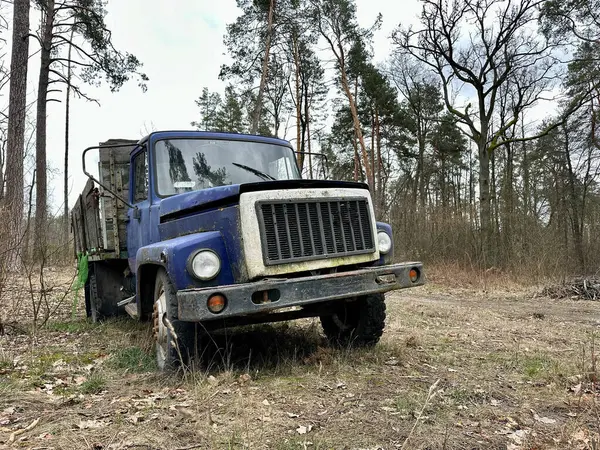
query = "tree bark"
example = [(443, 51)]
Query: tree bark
[(485, 214), (356, 123), (355, 140), (67, 112), (2, 165), (576, 211), (372, 155), (15, 148), (307, 122), (265, 71), (300, 156), (40, 135), (381, 186)]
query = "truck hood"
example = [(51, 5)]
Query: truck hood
[(181, 205)]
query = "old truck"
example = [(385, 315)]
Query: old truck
[(188, 228)]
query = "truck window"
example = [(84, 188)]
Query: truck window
[(184, 165), (140, 177)]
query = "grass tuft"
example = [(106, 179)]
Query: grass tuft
[(93, 385), (76, 326), (132, 359)]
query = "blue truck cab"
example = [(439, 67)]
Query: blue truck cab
[(188, 227)]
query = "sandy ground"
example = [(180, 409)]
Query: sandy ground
[(455, 369)]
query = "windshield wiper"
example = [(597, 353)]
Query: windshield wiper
[(258, 173)]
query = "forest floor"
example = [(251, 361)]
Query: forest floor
[(457, 368)]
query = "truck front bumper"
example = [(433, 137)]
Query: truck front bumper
[(258, 297)]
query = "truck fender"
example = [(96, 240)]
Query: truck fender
[(173, 255), (386, 259)]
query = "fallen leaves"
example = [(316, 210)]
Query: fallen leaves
[(518, 436), (304, 429), (546, 420), (244, 378), (92, 424)]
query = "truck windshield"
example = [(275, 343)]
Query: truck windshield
[(184, 165)]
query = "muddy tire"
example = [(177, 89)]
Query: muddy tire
[(174, 339), (357, 323), (102, 292), (95, 307)]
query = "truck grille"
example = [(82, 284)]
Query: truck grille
[(314, 229)]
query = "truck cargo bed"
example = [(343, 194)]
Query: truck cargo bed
[(98, 219)]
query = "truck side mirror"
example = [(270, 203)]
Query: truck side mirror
[(91, 177)]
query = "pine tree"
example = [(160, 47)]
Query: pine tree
[(209, 104), (96, 58), (230, 116)]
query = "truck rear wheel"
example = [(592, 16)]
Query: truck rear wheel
[(101, 295), (174, 338), (359, 323)]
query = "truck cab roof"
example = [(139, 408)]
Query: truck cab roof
[(193, 134)]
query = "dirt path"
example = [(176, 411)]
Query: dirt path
[(514, 372), (521, 305)]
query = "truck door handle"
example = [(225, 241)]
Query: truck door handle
[(137, 214)]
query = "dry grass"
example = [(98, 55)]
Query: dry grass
[(514, 371)]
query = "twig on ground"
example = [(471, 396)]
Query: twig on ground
[(430, 394), (29, 427), (577, 288)]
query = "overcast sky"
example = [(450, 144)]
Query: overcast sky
[(180, 43)]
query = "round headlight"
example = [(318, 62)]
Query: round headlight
[(205, 265), (384, 242)]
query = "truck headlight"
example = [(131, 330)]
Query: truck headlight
[(205, 265), (384, 242)]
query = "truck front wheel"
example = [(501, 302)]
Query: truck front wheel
[(174, 339), (357, 323)]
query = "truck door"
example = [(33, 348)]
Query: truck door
[(138, 226)]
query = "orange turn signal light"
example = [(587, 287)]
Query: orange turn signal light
[(413, 275), (216, 303)]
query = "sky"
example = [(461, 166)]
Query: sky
[(180, 43)]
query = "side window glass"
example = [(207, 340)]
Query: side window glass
[(140, 177)]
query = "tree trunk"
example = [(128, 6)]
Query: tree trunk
[(372, 181), (2, 164), (576, 211), (443, 183), (355, 140), (380, 187), (420, 181), (67, 112), (265, 71), (15, 148), (300, 156), (356, 123), (40, 135), (493, 199), (307, 121), (471, 185), (356, 157), (485, 213)]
